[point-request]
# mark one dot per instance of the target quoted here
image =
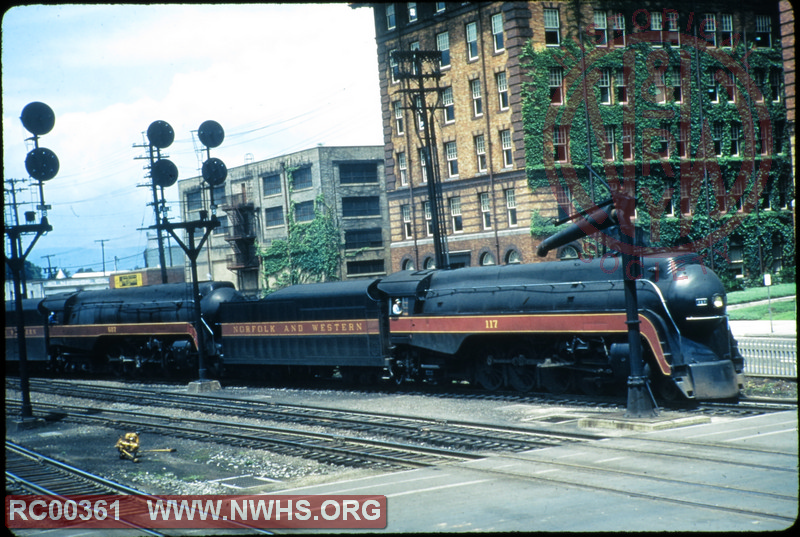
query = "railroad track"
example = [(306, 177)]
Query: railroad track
[(322, 447), (453, 435), (29, 472)]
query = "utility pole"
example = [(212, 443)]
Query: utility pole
[(103, 252), (420, 66), (49, 266), (163, 174)]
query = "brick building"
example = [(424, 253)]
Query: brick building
[(254, 202), (494, 148)]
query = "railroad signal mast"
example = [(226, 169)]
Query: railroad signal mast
[(42, 165), (420, 66), (214, 172)]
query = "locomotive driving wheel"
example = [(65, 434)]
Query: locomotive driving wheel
[(521, 377), (488, 374)]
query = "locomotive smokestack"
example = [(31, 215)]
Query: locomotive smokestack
[(592, 223)]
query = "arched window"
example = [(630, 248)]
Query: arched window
[(513, 257), (487, 258)]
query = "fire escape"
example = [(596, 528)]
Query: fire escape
[(241, 235)]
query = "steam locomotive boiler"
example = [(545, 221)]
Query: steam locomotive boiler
[(558, 325), (130, 330)]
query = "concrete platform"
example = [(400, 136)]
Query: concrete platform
[(764, 328), (663, 421), (733, 475)]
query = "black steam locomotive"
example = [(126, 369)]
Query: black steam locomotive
[(553, 326)]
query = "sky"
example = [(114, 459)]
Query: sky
[(279, 78)]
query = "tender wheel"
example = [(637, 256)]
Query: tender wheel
[(487, 375)]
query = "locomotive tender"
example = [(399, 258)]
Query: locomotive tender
[(551, 325)]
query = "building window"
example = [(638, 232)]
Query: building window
[(472, 40), (604, 84), (513, 258), (618, 28), (355, 239), (757, 92), (708, 29), (420, 113), (358, 172), (552, 27), (486, 210), (764, 140), (452, 158), (304, 211), (423, 162), (455, 214), (273, 216), (301, 179), (508, 152), (502, 90), (440, 7), (673, 32), (391, 21), (402, 165), (271, 184), (657, 27), (556, 81), (407, 226), (712, 85), (763, 31), (726, 30), (412, 11), (627, 142), (477, 100), (600, 29), (194, 200), (775, 85), (675, 80), (426, 207), (662, 141), (660, 86), (360, 206), (443, 46), (394, 67), (480, 151), (560, 143), (374, 266), (398, 117), (736, 135), (683, 141), (408, 264), (621, 85), (608, 144), (716, 136), (511, 207), (497, 32), (429, 263), (449, 107), (487, 259)]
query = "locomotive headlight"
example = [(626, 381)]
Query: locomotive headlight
[(718, 301)]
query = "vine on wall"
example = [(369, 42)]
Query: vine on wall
[(721, 187)]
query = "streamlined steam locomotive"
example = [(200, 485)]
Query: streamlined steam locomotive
[(551, 326)]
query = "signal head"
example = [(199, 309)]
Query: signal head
[(214, 171), (164, 173), (160, 134), (211, 133), (42, 164), (38, 118)]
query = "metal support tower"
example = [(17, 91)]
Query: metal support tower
[(420, 66)]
